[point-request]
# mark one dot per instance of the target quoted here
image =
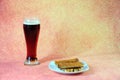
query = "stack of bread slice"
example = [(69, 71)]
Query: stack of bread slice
[(69, 65)]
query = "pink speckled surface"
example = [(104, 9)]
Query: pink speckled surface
[(102, 67), (89, 30)]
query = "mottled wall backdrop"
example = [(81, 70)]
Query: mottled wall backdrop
[(68, 27)]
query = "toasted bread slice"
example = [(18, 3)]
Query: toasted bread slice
[(66, 61), (71, 65)]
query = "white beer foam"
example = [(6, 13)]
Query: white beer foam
[(31, 21)]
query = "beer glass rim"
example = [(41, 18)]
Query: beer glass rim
[(31, 21)]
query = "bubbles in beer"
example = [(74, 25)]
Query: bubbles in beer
[(33, 21)]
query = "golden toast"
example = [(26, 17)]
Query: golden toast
[(69, 65)]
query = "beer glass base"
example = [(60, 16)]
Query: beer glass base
[(28, 62)]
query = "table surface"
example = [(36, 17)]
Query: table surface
[(102, 67)]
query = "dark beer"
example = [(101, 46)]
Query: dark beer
[(31, 32)]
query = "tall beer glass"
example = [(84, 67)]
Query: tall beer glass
[(31, 29)]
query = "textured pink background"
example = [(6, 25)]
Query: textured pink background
[(86, 29)]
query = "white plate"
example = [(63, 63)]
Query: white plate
[(52, 66)]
